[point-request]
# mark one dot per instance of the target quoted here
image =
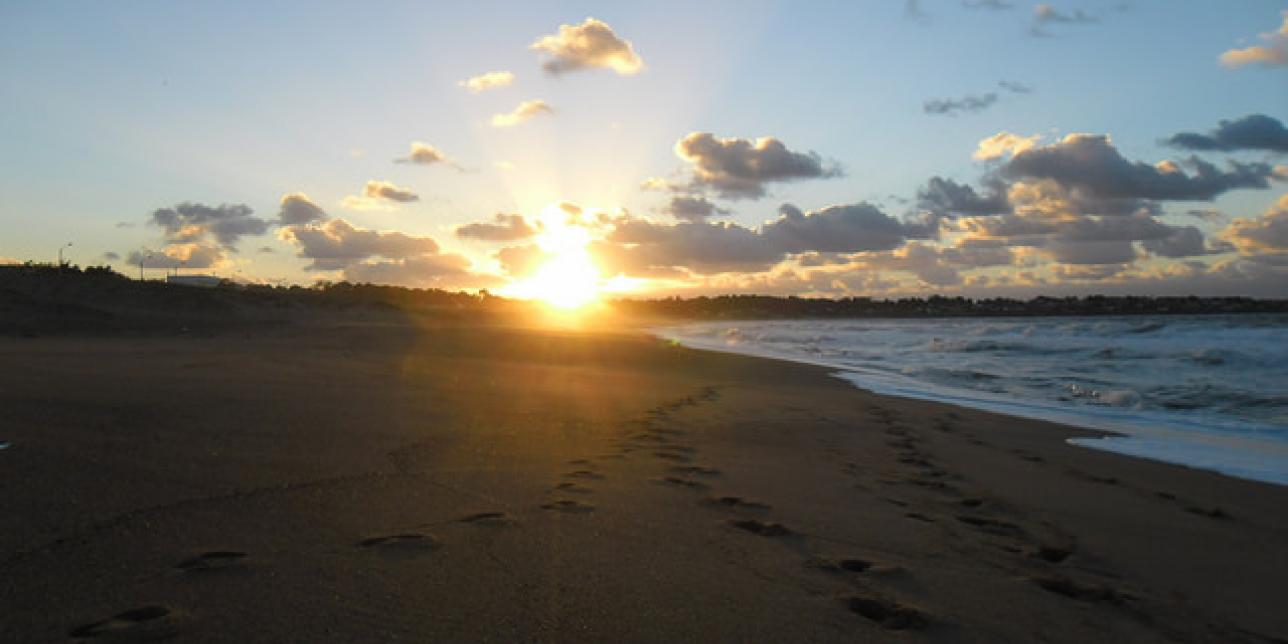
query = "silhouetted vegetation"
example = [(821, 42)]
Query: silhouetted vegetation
[(728, 307), (37, 299)]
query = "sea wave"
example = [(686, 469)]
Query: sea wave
[(1188, 377)]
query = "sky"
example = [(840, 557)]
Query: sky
[(892, 148)]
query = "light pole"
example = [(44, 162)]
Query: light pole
[(143, 259), (60, 253)]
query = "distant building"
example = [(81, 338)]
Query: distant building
[(203, 281)]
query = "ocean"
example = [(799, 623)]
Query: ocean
[(1209, 392)]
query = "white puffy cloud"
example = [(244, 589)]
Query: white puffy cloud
[(588, 45), (525, 111), (487, 81), (1004, 144)]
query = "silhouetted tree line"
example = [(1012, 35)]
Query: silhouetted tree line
[(71, 290), (728, 307)]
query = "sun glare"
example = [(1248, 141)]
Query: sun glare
[(568, 278)]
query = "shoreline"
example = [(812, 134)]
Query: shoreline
[(413, 479), (1194, 445)]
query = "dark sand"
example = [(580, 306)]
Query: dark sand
[(383, 481)]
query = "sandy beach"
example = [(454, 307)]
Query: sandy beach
[(393, 479)]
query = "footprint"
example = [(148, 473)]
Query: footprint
[(972, 503), (919, 517), (410, 542), (580, 461), (486, 518), (584, 474), (1053, 554), (1213, 513), (763, 529), (737, 502), (696, 469), (569, 505), (691, 484), (568, 486), (992, 526), (135, 624), (1073, 590), (841, 565), (213, 560), (889, 614), (670, 456)]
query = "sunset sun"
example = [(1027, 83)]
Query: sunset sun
[(567, 277)]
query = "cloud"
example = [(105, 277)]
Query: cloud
[(992, 5), (1252, 132), (952, 107), (642, 247), (912, 11), (1004, 144), (947, 197), (425, 154), (111, 256), (526, 110), (740, 168), (521, 261), (193, 222), (506, 228), (1014, 87), (336, 244), (376, 194), (1045, 14), (1091, 163), (693, 208), (446, 271), (486, 81), (1273, 54), (298, 209), (1185, 241), (194, 255), (1264, 237), (586, 46)]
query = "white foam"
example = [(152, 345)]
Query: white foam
[(1206, 441)]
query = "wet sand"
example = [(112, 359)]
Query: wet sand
[(397, 481)]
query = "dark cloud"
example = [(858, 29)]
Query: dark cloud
[(947, 197), (193, 222), (1252, 132), (912, 11), (1184, 241), (337, 244), (586, 46), (954, 106), (503, 228), (718, 247), (740, 168), (111, 256), (693, 208), (1091, 163), (1091, 252), (298, 209), (848, 228)]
